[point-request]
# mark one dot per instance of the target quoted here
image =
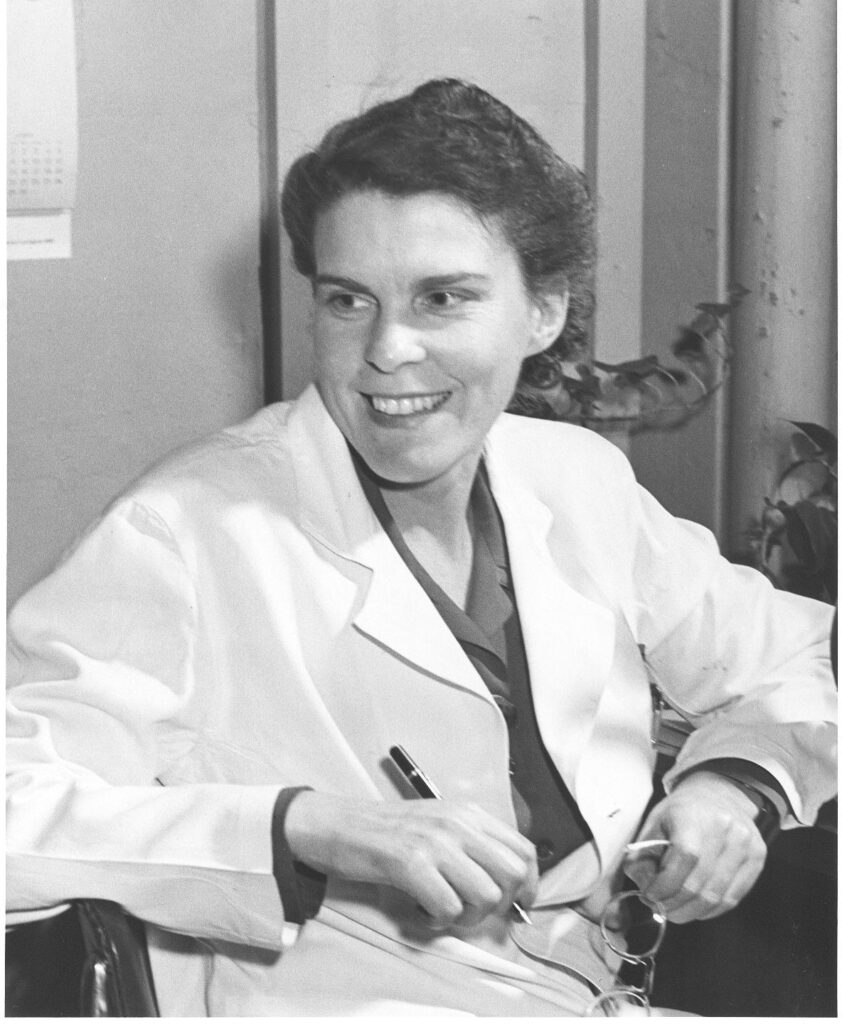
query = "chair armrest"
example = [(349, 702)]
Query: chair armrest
[(117, 976)]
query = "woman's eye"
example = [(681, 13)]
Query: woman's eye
[(443, 301), (348, 304)]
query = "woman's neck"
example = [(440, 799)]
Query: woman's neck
[(435, 522), (439, 507)]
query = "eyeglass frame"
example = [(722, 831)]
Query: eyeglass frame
[(639, 993)]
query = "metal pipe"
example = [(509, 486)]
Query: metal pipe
[(784, 240)]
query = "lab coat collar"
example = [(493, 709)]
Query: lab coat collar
[(395, 611)]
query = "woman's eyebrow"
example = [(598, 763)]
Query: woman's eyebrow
[(339, 282), (449, 280), (424, 284)]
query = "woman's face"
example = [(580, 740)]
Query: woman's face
[(422, 320)]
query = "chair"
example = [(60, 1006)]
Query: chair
[(116, 975), (86, 959)]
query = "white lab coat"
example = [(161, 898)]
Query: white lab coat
[(238, 621)]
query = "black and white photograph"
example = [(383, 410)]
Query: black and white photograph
[(421, 508)]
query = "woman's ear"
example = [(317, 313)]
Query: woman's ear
[(550, 316)]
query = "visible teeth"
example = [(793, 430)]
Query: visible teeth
[(407, 406)]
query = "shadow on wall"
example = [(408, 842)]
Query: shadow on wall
[(235, 295)]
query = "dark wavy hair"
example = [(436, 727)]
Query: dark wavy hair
[(452, 137)]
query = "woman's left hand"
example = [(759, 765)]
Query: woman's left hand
[(715, 854)]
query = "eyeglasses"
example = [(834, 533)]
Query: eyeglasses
[(633, 927)]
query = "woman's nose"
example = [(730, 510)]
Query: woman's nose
[(394, 343)]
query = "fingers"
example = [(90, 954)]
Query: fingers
[(715, 856), (693, 887), (508, 858), (704, 884), (478, 895), (514, 879), (462, 867), (458, 862)]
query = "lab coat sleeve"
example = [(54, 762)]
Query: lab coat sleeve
[(100, 695), (747, 664)]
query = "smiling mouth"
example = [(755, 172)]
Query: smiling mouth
[(409, 405)]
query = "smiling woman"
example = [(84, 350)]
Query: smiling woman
[(422, 323), (393, 561)]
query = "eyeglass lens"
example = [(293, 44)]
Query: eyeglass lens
[(632, 926)]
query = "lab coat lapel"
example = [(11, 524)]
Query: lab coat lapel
[(394, 610), (568, 634), (399, 614)]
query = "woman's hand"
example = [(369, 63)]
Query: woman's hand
[(715, 852), (459, 863)]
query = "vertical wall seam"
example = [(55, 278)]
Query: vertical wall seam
[(724, 275), (592, 93), (591, 147), (270, 219)]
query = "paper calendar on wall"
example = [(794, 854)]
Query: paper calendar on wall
[(41, 128)]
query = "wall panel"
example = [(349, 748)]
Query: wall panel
[(150, 335), (686, 232)]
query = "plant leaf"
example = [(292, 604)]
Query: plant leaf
[(822, 438), (691, 343), (804, 478), (630, 366), (633, 369), (811, 532), (803, 449)]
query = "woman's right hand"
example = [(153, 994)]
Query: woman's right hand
[(458, 862)]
